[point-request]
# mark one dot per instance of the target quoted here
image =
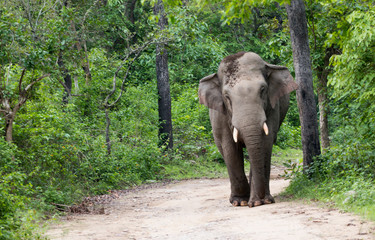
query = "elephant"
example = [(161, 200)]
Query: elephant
[(248, 99)]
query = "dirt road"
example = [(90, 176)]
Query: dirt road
[(199, 209)]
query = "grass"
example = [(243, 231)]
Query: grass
[(280, 156), (356, 196), (205, 167), (350, 190), (201, 167)]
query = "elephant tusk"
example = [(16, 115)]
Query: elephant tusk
[(235, 134), (265, 128)]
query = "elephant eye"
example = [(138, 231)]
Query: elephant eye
[(228, 100), (262, 91)]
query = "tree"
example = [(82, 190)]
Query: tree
[(107, 105), (8, 106), (322, 74), (353, 79), (28, 49), (304, 78), (317, 19), (328, 27), (162, 75)]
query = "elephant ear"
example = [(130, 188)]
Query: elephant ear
[(280, 83), (209, 93)]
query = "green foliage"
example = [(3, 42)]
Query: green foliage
[(344, 175), (289, 136), (354, 76), (192, 118), (193, 53), (17, 221), (239, 9), (288, 157), (354, 159)]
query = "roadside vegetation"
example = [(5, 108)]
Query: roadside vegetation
[(344, 175), (58, 150)]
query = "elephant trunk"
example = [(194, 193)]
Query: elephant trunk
[(235, 131), (255, 148), (253, 137)]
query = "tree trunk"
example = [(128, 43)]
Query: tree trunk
[(9, 129), (129, 10), (67, 77), (107, 138), (129, 13), (67, 80), (322, 72), (305, 92), (162, 75)]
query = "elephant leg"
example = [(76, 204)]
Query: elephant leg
[(256, 180), (233, 156), (267, 170), (240, 190), (250, 177)]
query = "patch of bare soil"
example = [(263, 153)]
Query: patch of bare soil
[(199, 209)]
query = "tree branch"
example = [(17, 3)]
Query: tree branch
[(20, 81), (68, 90), (137, 53), (37, 80), (87, 13)]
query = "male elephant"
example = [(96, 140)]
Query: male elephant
[(248, 99)]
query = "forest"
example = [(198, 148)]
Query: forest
[(84, 111)]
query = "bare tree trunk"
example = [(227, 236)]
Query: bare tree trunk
[(9, 128), (67, 80), (107, 138), (305, 92), (323, 72), (162, 74), (323, 118)]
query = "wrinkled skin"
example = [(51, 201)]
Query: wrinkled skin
[(245, 93)]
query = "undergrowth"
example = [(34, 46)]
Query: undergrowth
[(343, 176)]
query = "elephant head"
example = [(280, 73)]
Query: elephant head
[(253, 97)]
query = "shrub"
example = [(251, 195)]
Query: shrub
[(289, 136), (344, 174), (192, 127), (16, 220)]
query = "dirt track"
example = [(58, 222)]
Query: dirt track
[(199, 209)]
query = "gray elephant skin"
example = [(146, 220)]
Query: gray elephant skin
[(248, 99)]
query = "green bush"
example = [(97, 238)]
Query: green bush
[(289, 136), (344, 175), (192, 128), (354, 159), (16, 220)]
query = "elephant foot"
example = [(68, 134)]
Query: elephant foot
[(269, 199), (242, 203), (239, 202), (255, 203)]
